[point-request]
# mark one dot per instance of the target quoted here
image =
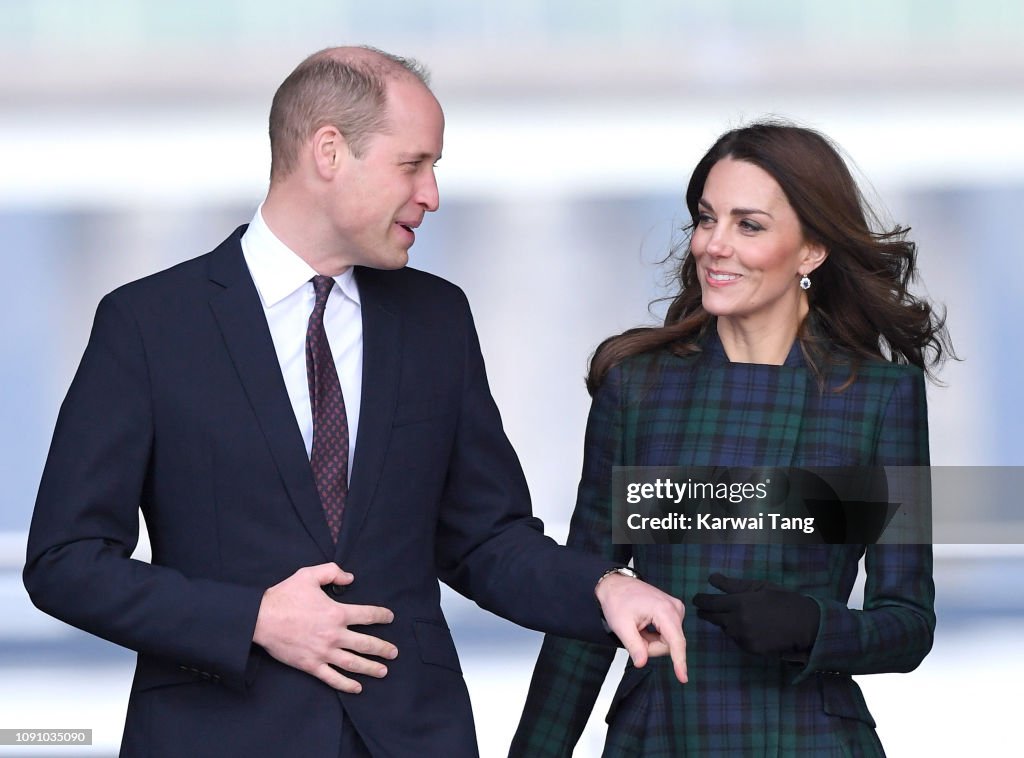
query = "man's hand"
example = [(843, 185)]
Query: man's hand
[(762, 618), (303, 628), (631, 608)]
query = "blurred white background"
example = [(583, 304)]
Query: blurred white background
[(133, 136)]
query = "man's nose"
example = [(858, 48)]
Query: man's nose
[(427, 194)]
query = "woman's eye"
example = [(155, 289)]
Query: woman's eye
[(750, 226)]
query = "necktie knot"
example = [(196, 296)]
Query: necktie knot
[(322, 286)]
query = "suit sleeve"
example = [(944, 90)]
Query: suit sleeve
[(568, 675), (489, 546), (894, 631), (85, 524)]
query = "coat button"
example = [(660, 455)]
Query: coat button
[(337, 590)]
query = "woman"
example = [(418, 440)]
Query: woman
[(792, 342)]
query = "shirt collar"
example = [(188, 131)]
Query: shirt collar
[(277, 270)]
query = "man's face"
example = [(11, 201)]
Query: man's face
[(380, 198)]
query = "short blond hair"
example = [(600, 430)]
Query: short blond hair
[(341, 87)]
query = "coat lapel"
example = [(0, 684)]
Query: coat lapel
[(240, 317), (382, 349)]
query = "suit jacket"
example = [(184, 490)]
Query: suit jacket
[(663, 410), (179, 407)]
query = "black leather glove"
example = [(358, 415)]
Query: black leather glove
[(761, 617)]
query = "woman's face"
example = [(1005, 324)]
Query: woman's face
[(749, 249)]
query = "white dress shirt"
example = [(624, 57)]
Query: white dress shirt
[(283, 281)]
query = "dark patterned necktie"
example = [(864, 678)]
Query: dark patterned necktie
[(329, 456)]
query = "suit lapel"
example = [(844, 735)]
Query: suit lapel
[(382, 349), (240, 317)]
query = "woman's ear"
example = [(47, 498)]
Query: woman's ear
[(814, 255)]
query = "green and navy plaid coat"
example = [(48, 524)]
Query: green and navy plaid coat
[(659, 409)]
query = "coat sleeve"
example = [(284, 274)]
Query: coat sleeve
[(490, 547), (568, 675), (86, 523), (894, 631)]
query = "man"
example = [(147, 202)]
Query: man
[(292, 403)]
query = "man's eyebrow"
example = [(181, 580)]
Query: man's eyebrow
[(419, 157), (738, 211)]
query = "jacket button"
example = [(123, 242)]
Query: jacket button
[(337, 590)]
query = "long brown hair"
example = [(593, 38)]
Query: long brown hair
[(860, 304)]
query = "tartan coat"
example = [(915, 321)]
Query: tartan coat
[(660, 409)]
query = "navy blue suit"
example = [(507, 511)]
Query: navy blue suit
[(179, 408)]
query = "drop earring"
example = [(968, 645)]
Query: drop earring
[(805, 282)]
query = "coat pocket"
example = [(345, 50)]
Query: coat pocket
[(840, 696), (435, 644), (152, 673)]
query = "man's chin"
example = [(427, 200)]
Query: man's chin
[(393, 262)]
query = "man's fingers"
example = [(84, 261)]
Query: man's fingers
[(299, 626), (329, 573), (635, 645), (356, 664), (363, 615), (645, 644), (368, 645), (332, 678), (670, 626), (630, 606), (656, 648), (676, 641)]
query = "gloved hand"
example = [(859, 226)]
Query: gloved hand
[(761, 617)]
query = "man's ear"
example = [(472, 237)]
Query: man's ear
[(329, 151)]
